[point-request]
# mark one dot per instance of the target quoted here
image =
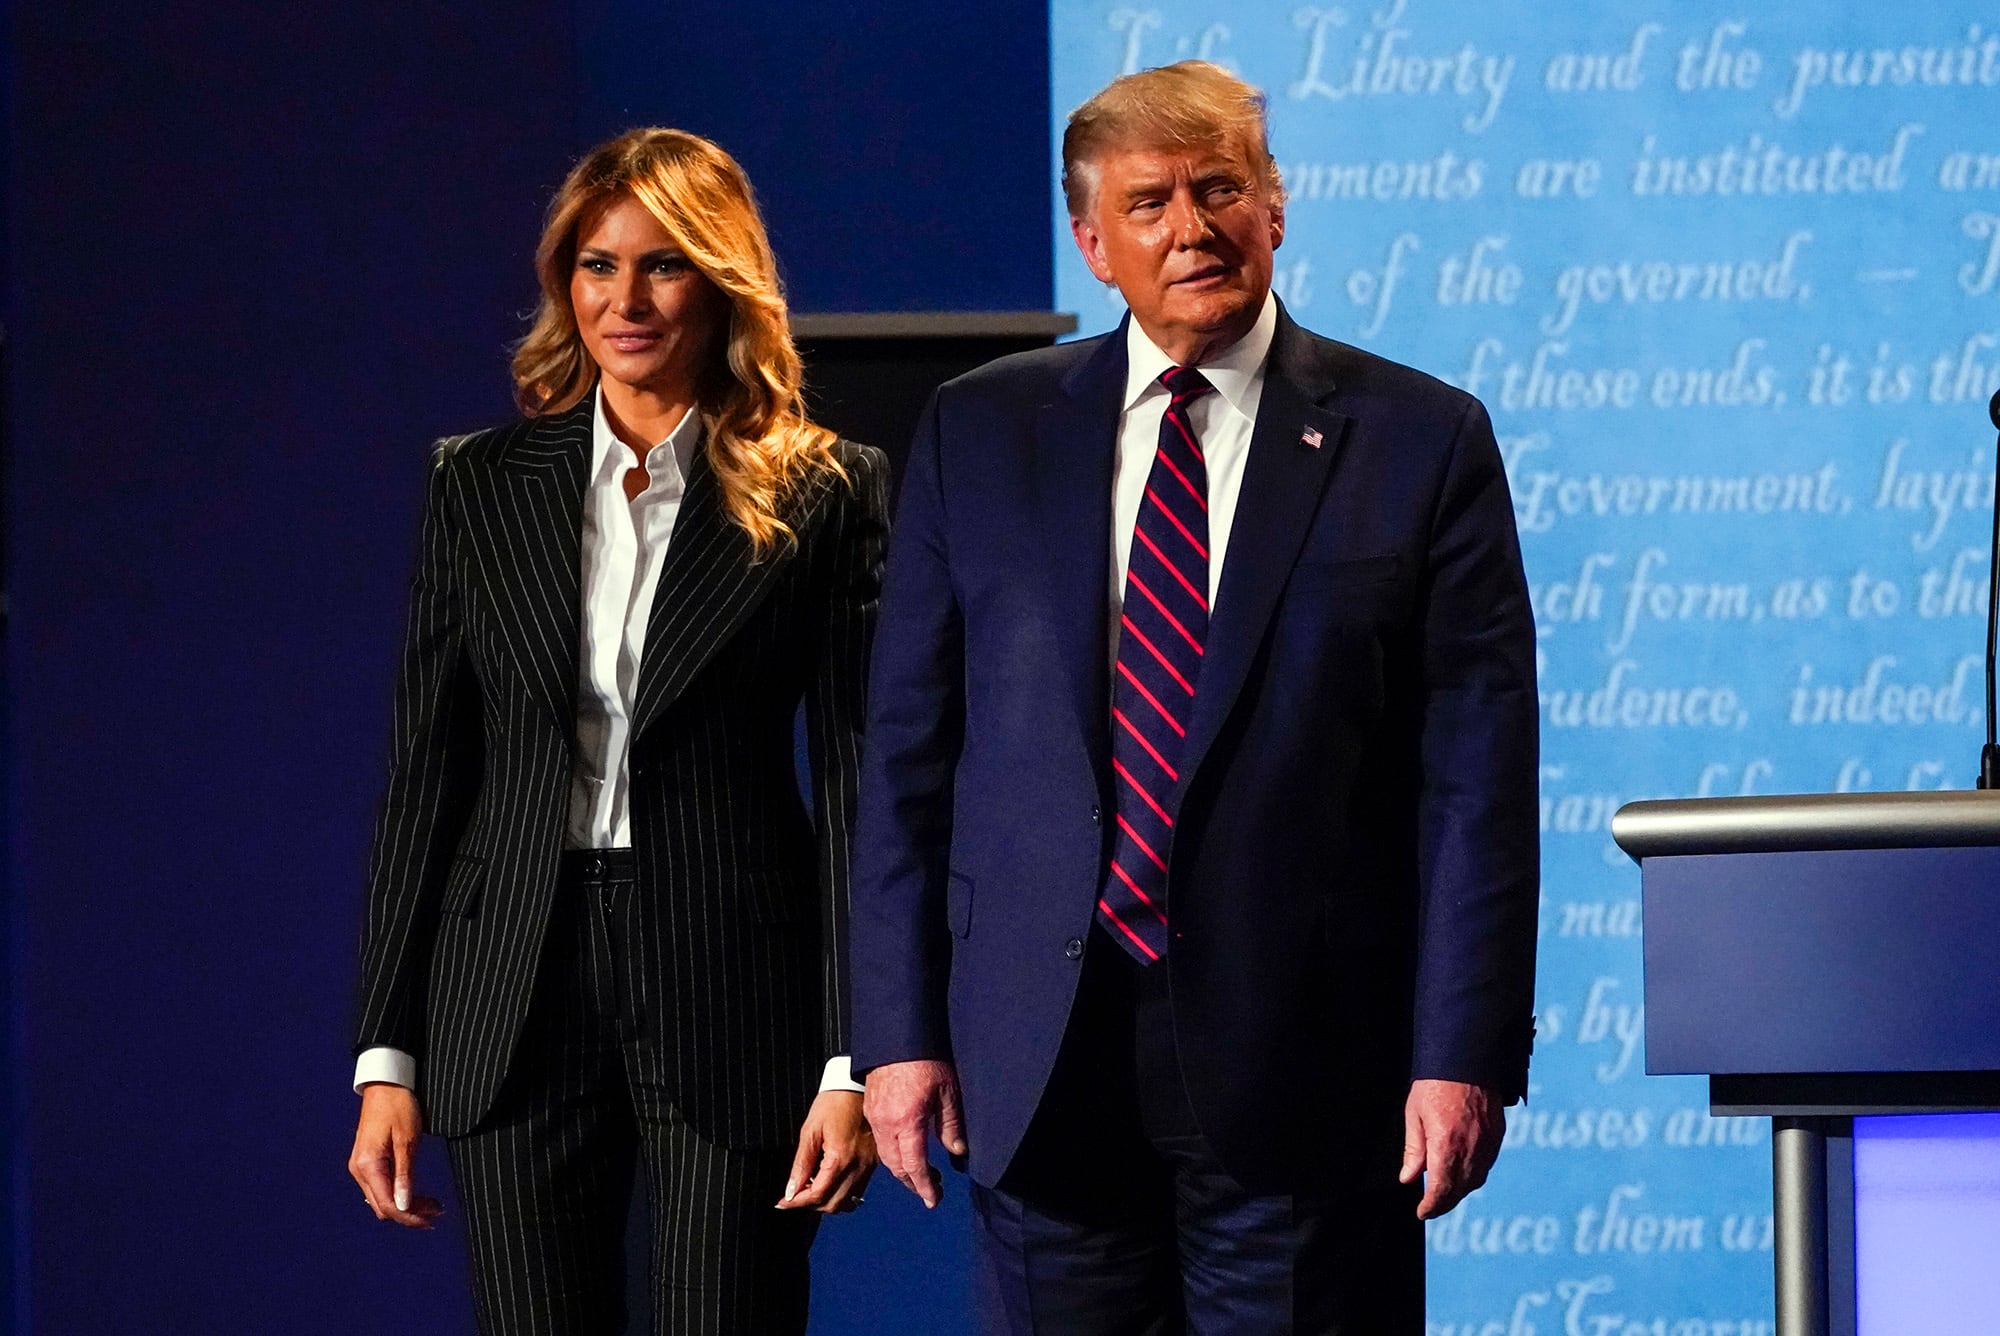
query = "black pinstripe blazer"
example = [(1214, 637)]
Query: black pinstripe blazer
[(743, 894)]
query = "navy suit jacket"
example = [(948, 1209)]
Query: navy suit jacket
[(1354, 870)]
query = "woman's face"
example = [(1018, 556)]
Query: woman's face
[(649, 319)]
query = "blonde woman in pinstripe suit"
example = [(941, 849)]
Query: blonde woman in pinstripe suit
[(603, 929)]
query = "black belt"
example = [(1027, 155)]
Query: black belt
[(598, 866)]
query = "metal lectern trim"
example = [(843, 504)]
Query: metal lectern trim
[(1806, 821)]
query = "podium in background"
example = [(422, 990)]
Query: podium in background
[(1826, 959), (870, 373)]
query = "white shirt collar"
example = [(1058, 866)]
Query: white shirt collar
[(1237, 374), (683, 438)]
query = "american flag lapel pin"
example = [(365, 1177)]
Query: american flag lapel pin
[(1311, 437)]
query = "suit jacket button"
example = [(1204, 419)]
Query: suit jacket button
[(1073, 948), (1096, 815)]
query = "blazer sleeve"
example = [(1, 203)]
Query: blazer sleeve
[(1478, 838), (434, 767), (854, 541), (916, 724)]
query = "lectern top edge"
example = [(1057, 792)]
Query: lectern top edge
[(1792, 823)]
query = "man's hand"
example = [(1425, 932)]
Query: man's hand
[(906, 1101), (1451, 1135), (385, 1150), (835, 1158)]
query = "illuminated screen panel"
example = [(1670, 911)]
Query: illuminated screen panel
[(1927, 1224)]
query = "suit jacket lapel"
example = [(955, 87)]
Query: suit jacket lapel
[(708, 586), (1282, 482), (525, 528), (1075, 446)]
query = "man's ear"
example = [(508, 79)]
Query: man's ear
[(1277, 226), (1090, 242)]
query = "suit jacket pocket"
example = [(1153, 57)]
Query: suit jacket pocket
[(464, 885), (958, 904)]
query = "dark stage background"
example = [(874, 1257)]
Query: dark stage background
[(256, 258)]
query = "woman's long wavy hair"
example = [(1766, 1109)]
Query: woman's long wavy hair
[(759, 440)]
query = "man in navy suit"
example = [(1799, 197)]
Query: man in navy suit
[(1195, 887)]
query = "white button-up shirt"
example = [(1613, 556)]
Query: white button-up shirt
[(1222, 422), (624, 547)]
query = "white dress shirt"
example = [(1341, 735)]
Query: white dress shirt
[(1222, 423), (624, 548)]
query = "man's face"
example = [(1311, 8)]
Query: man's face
[(1187, 234)]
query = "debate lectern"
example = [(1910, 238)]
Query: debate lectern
[(1821, 959)]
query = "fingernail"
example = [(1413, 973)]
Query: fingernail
[(791, 1188), (402, 1197)]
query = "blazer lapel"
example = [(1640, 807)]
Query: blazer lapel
[(526, 534), (710, 583), (1283, 478), (1075, 445)]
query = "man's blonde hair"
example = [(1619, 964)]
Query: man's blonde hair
[(1190, 104)]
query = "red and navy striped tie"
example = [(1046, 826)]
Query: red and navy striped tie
[(1160, 643)]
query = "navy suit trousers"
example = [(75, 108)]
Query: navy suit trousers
[(1117, 1219)]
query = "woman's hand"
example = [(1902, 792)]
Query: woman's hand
[(384, 1158), (836, 1156)]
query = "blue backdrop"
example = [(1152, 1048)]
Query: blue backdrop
[(897, 148), (1726, 278), (259, 257), (256, 258)]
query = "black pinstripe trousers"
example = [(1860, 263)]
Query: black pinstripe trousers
[(544, 1181)]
